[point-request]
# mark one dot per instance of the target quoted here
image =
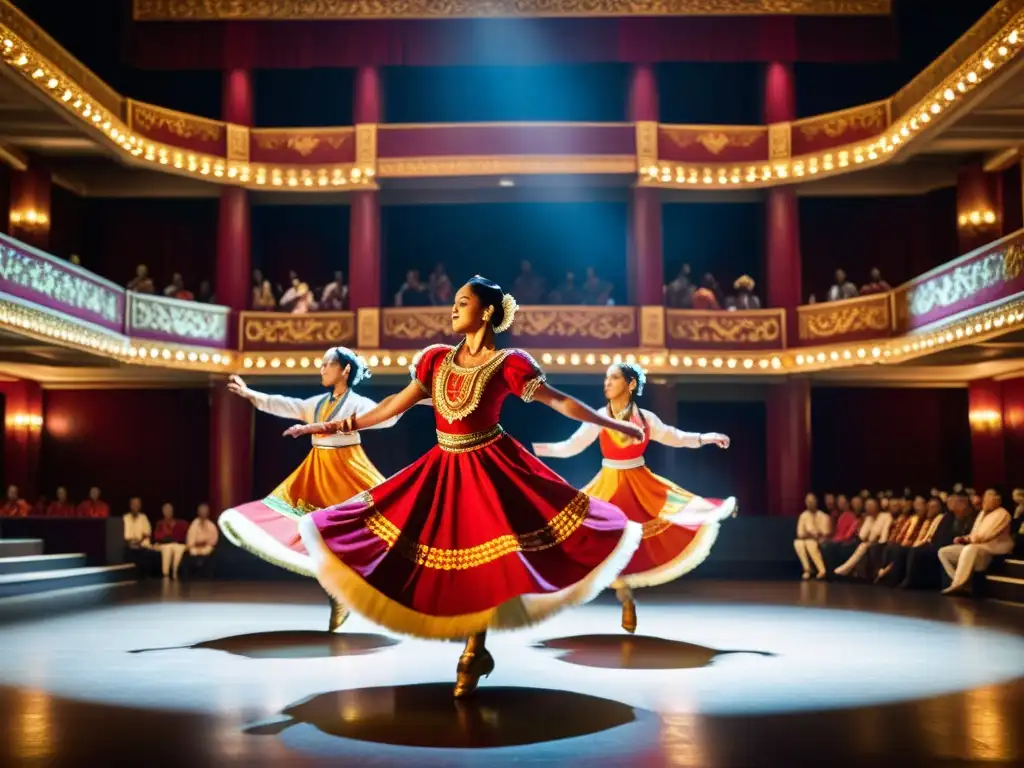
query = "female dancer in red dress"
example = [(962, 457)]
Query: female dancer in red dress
[(679, 528), (477, 534)]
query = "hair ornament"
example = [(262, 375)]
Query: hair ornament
[(509, 307)]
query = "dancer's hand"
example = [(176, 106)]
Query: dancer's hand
[(715, 438), (237, 386), (298, 430), (629, 429)]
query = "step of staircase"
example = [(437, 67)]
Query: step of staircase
[(20, 547), (19, 584), (34, 563), (1011, 566), (1007, 588)]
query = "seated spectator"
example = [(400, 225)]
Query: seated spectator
[(812, 527), (14, 505), (894, 567), (290, 294), (922, 564), (142, 282), (876, 285), (567, 293), (205, 294), (263, 297), (889, 558), (439, 285), (529, 286), (596, 292), (169, 539), (303, 303), (177, 289), (876, 528), (706, 297), (94, 506), (138, 546), (844, 534), (335, 295), (679, 292), (413, 293), (745, 298), (200, 542), (842, 288), (61, 507), (989, 536)]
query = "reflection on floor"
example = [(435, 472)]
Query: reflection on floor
[(222, 673)]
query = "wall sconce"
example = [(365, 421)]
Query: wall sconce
[(986, 420), (977, 219), (29, 219), (30, 421)]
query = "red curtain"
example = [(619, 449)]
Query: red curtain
[(299, 44), (889, 439), (902, 236), (1013, 431), (152, 443)]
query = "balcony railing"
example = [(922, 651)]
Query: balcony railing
[(162, 319)]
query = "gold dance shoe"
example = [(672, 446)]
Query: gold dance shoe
[(339, 614), (629, 616), (472, 666)]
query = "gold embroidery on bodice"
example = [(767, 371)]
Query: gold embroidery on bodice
[(458, 390)]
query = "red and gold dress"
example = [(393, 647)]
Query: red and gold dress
[(335, 468), (477, 534), (679, 527)]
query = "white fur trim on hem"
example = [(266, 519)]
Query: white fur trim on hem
[(245, 534)]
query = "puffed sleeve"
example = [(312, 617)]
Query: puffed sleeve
[(523, 375), (423, 364)]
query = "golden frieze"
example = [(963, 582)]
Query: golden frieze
[(302, 143), (177, 123), (968, 279), (282, 10), (504, 164), (725, 327), (299, 331), (829, 321), (869, 118), (419, 324), (714, 141), (601, 323), (1013, 262)]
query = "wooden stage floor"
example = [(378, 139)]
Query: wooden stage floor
[(719, 674)]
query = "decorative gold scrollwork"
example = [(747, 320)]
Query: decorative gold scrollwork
[(322, 329), (734, 328)]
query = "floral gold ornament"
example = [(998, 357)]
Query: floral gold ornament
[(343, 10), (600, 323), (870, 117), (869, 315), (150, 118), (761, 328), (268, 330), (421, 324)]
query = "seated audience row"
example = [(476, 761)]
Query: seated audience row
[(143, 283), (174, 540), (904, 541), (683, 293), (15, 506)]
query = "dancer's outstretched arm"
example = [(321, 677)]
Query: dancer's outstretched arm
[(579, 441), (276, 405), (579, 411), (388, 408), (676, 438)]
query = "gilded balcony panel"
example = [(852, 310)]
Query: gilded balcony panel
[(301, 146), (752, 329), (270, 331), (415, 327), (868, 317), (993, 273), (178, 129), (159, 318), (33, 276), (713, 143), (835, 129)]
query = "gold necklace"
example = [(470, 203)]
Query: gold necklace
[(625, 412)]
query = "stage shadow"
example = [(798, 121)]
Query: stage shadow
[(426, 715), (299, 644), (633, 652)]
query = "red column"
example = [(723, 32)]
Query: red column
[(237, 97), (779, 93), (22, 431), (979, 207), (789, 439), (645, 268), (234, 250), (364, 256), (231, 441), (30, 215), (782, 251), (988, 447)]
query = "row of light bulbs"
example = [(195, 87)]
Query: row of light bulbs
[(29, 218), (865, 154), (977, 218), (167, 354), (162, 154), (25, 421)]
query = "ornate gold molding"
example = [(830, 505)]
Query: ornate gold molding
[(280, 330), (831, 320), (342, 10), (496, 165), (835, 124), (715, 139), (366, 145), (601, 323), (749, 328), (646, 143), (368, 328), (780, 141), (148, 117), (417, 324), (238, 143), (652, 326)]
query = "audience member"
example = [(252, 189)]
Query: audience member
[(566, 293), (876, 284), (177, 289), (61, 507), (169, 539), (990, 535), (335, 295), (529, 286), (14, 505), (142, 282), (205, 293), (596, 292), (745, 297), (905, 533), (842, 288), (413, 293), (876, 528), (263, 297), (93, 506), (138, 537), (290, 294), (812, 527), (918, 565), (200, 542), (439, 285), (679, 292), (707, 296), (303, 303)]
